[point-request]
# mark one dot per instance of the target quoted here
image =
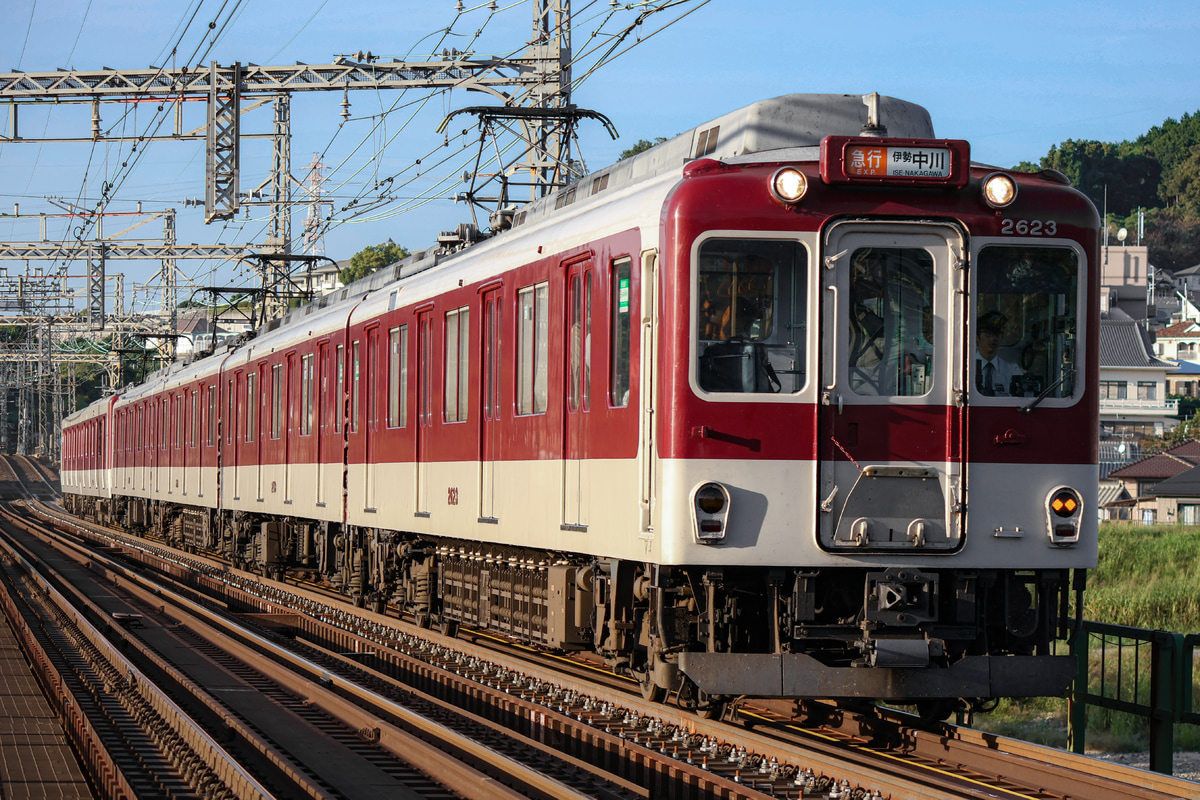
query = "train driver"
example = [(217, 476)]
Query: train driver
[(993, 372)]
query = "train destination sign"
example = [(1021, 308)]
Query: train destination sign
[(847, 159), (906, 162)]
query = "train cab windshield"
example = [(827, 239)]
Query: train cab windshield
[(891, 321), (1025, 326), (750, 316)]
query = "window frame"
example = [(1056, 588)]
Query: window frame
[(533, 349), (397, 413), (456, 365)]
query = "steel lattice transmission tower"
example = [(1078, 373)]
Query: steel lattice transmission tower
[(314, 185)]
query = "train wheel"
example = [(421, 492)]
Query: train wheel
[(710, 707), (699, 702), (651, 691), (935, 710)]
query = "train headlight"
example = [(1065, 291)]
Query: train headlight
[(1064, 511), (789, 185), (710, 512), (999, 190)]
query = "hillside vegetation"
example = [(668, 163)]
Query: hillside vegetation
[(1159, 172)]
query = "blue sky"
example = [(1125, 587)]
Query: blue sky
[(1011, 78)]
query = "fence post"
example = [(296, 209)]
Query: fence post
[(1077, 698), (1166, 698)]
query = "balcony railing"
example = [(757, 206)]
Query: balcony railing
[(1166, 407)]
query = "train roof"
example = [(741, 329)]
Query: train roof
[(794, 123), (781, 123)]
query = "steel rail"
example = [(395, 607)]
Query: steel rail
[(917, 765), (445, 758), (235, 778)]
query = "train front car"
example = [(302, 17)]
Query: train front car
[(878, 472)]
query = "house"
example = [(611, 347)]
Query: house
[(1185, 380), (321, 279), (1139, 479), (1114, 501), (1125, 275), (1133, 381), (1187, 280), (1179, 341), (1177, 499)]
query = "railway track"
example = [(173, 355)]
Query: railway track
[(625, 746)]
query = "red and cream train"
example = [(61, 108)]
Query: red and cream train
[(800, 403)]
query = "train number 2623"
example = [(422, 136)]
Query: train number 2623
[(1028, 227)]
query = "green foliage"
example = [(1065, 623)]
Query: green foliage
[(13, 333), (1147, 577), (640, 146), (371, 258), (1172, 143), (1172, 236), (1188, 406), (1116, 177), (1159, 172), (1184, 431)]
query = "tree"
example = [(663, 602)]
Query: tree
[(1120, 177), (371, 258), (1181, 188), (1172, 237), (640, 146)]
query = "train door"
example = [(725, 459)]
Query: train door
[(891, 388), (577, 353), (265, 403), (321, 410), (173, 444), (290, 426), (424, 408), (371, 428), (489, 438), (241, 401)]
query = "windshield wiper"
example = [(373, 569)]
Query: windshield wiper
[(1046, 392)]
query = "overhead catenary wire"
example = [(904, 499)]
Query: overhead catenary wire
[(388, 193)]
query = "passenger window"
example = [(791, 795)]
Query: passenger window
[(533, 348), (457, 365), (622, 331), (891, 321), (750, 307), (1025, 325)]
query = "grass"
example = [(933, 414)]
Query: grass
[(1147, 578)]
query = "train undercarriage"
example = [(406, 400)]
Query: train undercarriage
[(698, 634)]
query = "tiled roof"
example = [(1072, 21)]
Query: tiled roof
[(1189, 450), (1187, 329), (1185, 484), (1123, 344), (1112, 493)]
